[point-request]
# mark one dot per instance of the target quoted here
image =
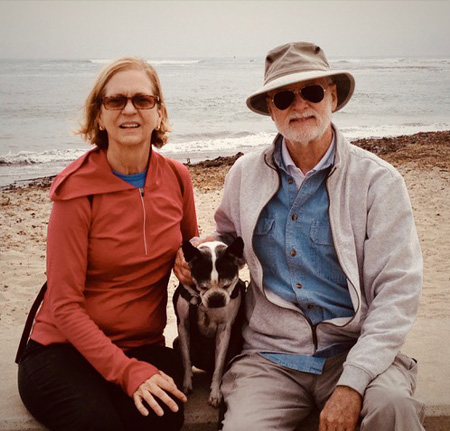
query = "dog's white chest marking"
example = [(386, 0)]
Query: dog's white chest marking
[(204, 322), (209, 320)]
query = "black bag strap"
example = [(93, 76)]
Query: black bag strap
[(29, 323), (33, 311)]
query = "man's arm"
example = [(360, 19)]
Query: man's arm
[(391, 281)]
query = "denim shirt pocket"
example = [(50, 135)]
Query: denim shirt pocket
[(264, 239), (265, 226), (320, 232), (324, 254)]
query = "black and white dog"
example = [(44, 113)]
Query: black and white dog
[(209, 313)]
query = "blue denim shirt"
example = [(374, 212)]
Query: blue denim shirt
[(293, 241)]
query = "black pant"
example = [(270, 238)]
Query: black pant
[(65, 393)]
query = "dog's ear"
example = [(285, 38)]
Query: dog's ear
[(189, 251), (236, 249)]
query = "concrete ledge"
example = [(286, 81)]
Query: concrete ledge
[(199, 415)]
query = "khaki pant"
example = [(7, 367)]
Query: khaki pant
[(260, 395)]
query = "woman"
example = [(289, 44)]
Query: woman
[(96, 358)]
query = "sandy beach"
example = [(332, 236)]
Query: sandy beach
[(423, 159)]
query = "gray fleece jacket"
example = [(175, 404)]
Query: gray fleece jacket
[(377, 246)]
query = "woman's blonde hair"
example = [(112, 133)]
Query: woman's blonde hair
[(89, 129)]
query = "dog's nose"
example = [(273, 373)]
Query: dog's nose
[(216, 300)]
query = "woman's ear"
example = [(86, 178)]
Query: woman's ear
[(159, 119), (99, 121)]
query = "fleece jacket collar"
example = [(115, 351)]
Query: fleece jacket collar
[(91, 174)]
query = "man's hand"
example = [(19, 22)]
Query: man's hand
[(159, 385), (341, 411), (181, 268)]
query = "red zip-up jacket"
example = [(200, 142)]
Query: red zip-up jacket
[(110, 251)]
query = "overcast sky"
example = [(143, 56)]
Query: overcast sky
[(170, 29)]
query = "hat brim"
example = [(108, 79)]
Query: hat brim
[(345, 84)]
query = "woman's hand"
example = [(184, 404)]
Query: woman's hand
[(181, 268), (157, 386)]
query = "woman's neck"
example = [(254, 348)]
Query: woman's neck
[(128, 161)]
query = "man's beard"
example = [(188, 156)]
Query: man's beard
[(312, 130)]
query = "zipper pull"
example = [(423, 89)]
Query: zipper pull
[(141, 190)]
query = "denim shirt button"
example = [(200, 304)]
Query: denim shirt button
[(299, 285), (290, 180), (293, 253), (294, 217)]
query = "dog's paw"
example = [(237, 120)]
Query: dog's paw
[(187, 384), (215, 397)]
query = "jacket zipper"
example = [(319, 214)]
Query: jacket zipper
[(141, 195), (313, 331), (340, 259)]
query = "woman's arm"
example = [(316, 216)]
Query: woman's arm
[(67, 251)]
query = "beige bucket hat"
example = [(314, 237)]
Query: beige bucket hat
[(296, 62)]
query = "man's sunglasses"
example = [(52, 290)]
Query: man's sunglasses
[(139, 101), (311, 93)]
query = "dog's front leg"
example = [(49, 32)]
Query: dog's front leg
[(222, 341), (184, 343)]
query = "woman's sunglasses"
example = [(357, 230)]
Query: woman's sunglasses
[(139, 101), (311, 93)]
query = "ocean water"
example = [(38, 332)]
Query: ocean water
[(41, 105)]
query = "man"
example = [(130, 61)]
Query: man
[(335, 265)]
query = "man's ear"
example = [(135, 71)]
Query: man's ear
[(334, 97), (269, 107)]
